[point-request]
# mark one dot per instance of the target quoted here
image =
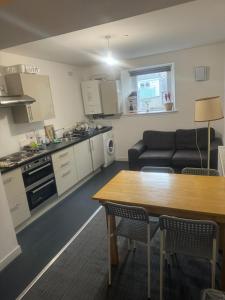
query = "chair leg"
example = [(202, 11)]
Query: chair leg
[(129, 244), (213, 267), (134, 245), (109, 251), (213, 263), (149, 261), (161, 264)]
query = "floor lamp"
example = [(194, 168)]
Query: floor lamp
[(207, 110)]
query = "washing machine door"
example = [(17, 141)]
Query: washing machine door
[(110, 147)]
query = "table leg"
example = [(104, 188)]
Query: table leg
[(222, 237), (113, 242)]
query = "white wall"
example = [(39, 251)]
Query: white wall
[(9, 247), (129, 129), (65, 86)]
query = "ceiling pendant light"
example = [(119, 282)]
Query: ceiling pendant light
[(109, 59)]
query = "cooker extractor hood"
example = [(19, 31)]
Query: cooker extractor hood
[(9, 101)]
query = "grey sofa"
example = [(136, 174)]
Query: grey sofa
[(176, 149)]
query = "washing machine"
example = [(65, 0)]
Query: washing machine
[(109, 148)]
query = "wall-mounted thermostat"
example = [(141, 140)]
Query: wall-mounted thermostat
[(202, 73)]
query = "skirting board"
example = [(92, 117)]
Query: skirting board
[(121, 159), (10, 257)]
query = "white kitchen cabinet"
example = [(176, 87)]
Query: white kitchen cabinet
[(16, 196), (82, 153), (35, 86), (97, 151), (65, 169), (91, 97), (111, 97)]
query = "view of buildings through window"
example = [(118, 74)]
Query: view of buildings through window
[(151, 90)]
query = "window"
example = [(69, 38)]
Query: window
[(150, 89)]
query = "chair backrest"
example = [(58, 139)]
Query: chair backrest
[(157, 169), (200, 171), (202, 229), (130, 212)]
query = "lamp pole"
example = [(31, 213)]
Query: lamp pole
[(208, 163)]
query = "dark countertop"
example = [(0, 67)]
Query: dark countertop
[(51, 148)]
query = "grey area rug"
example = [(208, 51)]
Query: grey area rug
[(80, 273)]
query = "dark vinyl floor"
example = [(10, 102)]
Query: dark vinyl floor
[(44, 238)]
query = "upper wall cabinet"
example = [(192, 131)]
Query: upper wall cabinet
[(91, 97), (36, 86), (111, 97)]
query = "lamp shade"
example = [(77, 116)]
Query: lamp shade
[(208, 109)]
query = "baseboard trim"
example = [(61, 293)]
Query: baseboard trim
[(122, 159), (10, 257)]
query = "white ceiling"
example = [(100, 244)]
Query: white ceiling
[(178, 27)]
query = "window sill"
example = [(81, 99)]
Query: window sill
[(149, 113)]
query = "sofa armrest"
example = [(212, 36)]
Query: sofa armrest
[(214, 152), (134, 153)]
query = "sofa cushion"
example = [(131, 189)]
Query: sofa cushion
[(189, 158), (155, 158), (163, 140), (186, 138)]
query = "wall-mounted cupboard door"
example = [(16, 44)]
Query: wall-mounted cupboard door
[(16, 196), (65, 170), (82, 153), (36, 86), (91, 97), (97, 151)]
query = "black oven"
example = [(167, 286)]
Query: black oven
[(39, 180)]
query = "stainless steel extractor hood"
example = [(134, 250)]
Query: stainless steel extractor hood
[(9, 101)]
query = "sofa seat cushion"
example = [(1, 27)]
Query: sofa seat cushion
[(155, 158), (189, 158)]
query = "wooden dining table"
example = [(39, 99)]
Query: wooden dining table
[(186, 196)]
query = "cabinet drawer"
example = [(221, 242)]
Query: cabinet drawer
[(62, 158), (65, 179), (19, 210), (13, 183)]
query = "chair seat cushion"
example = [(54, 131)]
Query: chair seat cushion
[(189, 158), (155, 158), (136, 230)]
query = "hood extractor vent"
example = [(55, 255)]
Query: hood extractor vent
[(9, 101)]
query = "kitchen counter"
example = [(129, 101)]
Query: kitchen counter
[(51, 148)]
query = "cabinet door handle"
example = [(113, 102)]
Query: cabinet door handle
[(65, 174), (14, 207), (63, 154), (65, 164), (8, 180)]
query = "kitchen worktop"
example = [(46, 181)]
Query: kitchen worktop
[(51, 148)]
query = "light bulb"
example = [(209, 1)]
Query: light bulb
[(110, 60)]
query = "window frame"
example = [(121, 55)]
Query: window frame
[(172, 84)]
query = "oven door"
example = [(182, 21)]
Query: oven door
[(32, 176), (41, 193)]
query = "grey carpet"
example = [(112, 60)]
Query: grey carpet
[(80, 273)]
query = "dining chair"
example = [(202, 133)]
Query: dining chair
[(200, 171), (211, 294), (157, 169), (134, 225), (188, 237)]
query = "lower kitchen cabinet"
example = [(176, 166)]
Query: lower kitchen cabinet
[(97, 151), (82, 153), (65, 170), (16, 196)]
